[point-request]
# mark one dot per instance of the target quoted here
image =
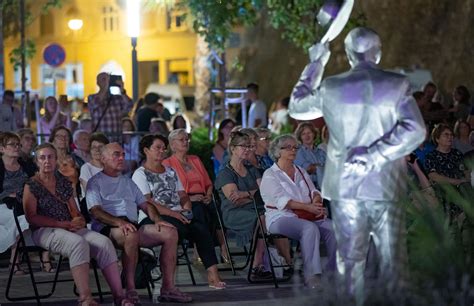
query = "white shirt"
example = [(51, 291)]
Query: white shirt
[(277, 189), (258, 110), (88, 170)]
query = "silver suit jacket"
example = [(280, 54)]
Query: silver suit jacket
[(364, 107)]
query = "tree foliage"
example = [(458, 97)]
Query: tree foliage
[(215, 20), (10, 14)]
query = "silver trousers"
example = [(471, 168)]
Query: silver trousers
[(355, 222)]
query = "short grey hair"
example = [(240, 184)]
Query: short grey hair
[(275, 146), (77, 133), (175, 134)]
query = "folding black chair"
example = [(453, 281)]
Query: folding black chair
[(24, 249), (261, 233)]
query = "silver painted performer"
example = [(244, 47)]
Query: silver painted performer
[(373, 124)]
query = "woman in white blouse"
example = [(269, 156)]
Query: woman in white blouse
[(286, 187)]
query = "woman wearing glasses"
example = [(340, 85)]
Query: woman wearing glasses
[(58, 226), (14, 172), (161, 185), (196, 182), (238, 184), (285, 188), (96, 142)]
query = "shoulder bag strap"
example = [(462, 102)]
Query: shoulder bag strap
[(109, 100)]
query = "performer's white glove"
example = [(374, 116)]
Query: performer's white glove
[(319, 52), (359, 161)]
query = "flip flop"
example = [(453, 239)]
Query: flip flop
[(218, 286)]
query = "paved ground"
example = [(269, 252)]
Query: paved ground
[(239, 291)]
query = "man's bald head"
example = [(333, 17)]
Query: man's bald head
[(113, 158)]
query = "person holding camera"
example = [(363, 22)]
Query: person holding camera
[(161, 185), (107, 109)]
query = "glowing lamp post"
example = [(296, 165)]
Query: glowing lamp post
[(133, 31), (75, 24)]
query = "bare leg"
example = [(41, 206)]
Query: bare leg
[(80, 274), (112, 276), (220, 238), (213, 278), (167, 237), (283, 247), (129, 244)]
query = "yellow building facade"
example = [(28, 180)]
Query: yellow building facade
[(166, 48)]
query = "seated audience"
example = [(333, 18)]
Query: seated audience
[(309, 157), (147, 112), (238, 185), (220, 147), (286, 187), (61, 139), (196, 182), (97, 141), (461, 103), (161, 186), (445, 164), (424, 149), (59, 227), (80, 140), (113, 200), (86, 124), (159, 126), (179, 122), (130, 145), (462, 130), (27, 143), (261, 152), (252, 157), (14, 172)]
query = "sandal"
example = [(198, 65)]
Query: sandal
[(218, 285), (88, 302), (17, 270), (174, 296), (132, 296), (44, 268), (123, 301)]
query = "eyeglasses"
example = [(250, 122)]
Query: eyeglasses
[(265, 138), (183, 139), (14, 144), (158, 148), (246, 147), (289, 148), (63, 137)]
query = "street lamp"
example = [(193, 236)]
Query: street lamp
[(133, 31)]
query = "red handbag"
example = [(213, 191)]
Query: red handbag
[(304, 214)]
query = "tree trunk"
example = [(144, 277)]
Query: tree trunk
[(202, 78)]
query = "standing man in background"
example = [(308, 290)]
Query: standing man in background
[(258, 109), (107, 109)]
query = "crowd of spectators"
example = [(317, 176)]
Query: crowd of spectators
[(112, 166)]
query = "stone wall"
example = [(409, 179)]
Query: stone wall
[(432, 34)]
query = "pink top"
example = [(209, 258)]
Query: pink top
[(195, 179)]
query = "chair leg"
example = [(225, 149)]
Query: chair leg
[(251, 258), (188, 263), (10, 278), (221, 224), (97, 281), (269, 258)]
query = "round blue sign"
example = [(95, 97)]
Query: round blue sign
[(54, 55)]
